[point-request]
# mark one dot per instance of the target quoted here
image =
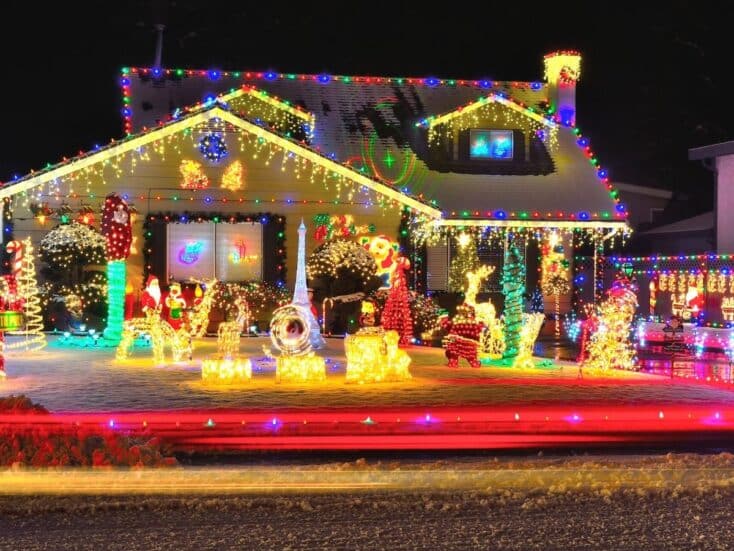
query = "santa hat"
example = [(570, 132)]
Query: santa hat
[(151, 279)]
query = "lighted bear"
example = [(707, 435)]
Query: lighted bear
[(385, 252)]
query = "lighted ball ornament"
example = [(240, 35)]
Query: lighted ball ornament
[(213, 147), (290, 333)]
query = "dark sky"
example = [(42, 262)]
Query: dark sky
[(655, 81)]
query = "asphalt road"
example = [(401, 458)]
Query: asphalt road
[(631, 519)]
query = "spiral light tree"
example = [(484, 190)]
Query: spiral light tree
[(24, 269), (117, 229)]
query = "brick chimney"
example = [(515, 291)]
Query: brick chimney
[(562, 71)]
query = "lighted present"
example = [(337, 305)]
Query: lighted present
[(306, 368), (226, 370), (376, 358)]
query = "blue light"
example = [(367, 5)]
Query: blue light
[(324, 79), (431, 81), (583, 215), (603, 173), (214, 75), (270, 75), (209, 98), (536, 86), (500, 214), (485, 83), (583, 142), (157, 72), (207, 199)]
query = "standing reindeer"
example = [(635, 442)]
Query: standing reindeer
[(493, 338)]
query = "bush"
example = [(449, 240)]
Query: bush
[(20, 404)]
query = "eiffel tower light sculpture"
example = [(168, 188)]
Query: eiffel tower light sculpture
[(300, 294)]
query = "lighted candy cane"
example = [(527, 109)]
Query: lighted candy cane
[(16, 248)]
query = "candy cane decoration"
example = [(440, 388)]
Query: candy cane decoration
[(16, 248)]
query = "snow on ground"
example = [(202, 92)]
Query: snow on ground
[(87, 379)]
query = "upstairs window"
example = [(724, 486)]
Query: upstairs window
[(493, 145)]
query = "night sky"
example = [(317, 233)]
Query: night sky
[(654, 83)]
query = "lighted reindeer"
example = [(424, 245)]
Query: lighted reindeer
[(228, 333), (493, 338), (161, 332)]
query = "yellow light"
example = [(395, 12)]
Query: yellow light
[(531, 324), (464, 239), (34, 337), (308, 368), (562, 67), (609, 346), (225, 371), (232, 179), (373, 356), (493, 338)]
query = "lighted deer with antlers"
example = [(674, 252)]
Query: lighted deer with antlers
[(493, 339)]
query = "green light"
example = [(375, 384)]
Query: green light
[(115, 299), (389, 160), (179, 72)]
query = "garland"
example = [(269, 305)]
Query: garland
[(273, 238)]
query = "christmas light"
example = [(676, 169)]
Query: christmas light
[(531, 324), (233, 177), (117, 230), (463, 336), (335, 258), (493, 338), (375, 358), (609, 345), (290, 333), (213, 147), (34, 338), (554, 275), (513, 287), (226, 371), (228, 332), (192, 175), (396, 314), (467, 260)]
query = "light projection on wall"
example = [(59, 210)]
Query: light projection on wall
[(491, 144), (190, 252), (239, 251)]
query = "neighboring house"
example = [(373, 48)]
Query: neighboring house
[(720, 159), (499, 159), (645, 204)]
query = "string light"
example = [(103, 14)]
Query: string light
[(33, 336), (493, 337), (513, 287), (233, 177), (375, 358), (466, 260), (531, 324), (192, 175), (226, 371), (290, 333), (396, 314), (117, 230)]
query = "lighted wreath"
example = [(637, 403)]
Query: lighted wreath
[(213, 147)]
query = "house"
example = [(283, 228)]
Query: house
[(223, 165)]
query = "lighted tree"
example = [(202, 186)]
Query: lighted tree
[(466, 260), (341, 268), (609, 345), (536, 302), (34, 339), (70, 253), (117, 229), (513, 287), (396, 314)]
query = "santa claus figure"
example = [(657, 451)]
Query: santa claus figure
[(176, 305), (464, 333), (151, 297)]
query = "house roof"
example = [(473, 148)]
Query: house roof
[(370, 123), (203, 113), (709, 151), (700, 222)]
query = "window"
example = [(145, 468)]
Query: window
[(229, 252), (491, 144)]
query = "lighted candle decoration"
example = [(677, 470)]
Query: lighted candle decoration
[(290, 333)]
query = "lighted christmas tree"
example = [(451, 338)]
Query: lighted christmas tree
[(396, 314), (34, 339), (536, 302), (466, 260), (513, 287), (609, 345)]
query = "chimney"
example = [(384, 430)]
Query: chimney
[(562, 71), (159, 27)]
